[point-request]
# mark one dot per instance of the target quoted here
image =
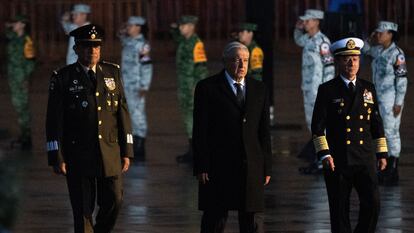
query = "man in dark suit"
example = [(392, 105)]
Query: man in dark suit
[(347, 110), (88, 131), (231, 142)]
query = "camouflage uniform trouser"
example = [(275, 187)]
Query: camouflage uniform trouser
[(391, 128), (309, 98), (19, 91), (185, 93), (136, 107)]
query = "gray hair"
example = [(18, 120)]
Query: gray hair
[(231, 47)]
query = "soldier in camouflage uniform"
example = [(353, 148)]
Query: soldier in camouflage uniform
[(137, 75), (80, 18), (245, 36), (317, 68), (20, 65), (317, 60), (191, 62), (390, 79)]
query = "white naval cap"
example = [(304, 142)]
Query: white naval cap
[(386, 25), (136, 20), (347, 46), (81, 8), (312, 14)]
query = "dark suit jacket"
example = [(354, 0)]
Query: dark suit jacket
[(88, 128), (231, 144), (354, 129)]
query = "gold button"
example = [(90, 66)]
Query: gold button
[(342, 104), (361, 117), (348, 142), (348, 130), (244, 120), (99, 108), (100, 122), (361, 142), (365, 104), (97, 93), (348, 117), (361, 129), (100, 136)]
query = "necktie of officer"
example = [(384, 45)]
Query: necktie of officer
[(239, 94), (92, 77), (351, 88)]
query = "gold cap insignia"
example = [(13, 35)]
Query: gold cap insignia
[(350, 44), (93, 36)]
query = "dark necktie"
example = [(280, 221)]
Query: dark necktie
[(351, 88), (92, 77), (239, 94)]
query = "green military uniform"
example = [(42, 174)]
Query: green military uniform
[(20, 65), (88, 127), (256, 54), (191, 67)]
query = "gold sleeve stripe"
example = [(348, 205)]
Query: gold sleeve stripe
[(381, 145), (320, 143)]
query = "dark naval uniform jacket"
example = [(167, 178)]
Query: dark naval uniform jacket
[(232, 144), (354, 129), (88, 127)]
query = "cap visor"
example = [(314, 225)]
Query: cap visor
[(348, 53)]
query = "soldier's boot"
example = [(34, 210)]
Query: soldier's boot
[(139, 148), (391, 176), (188, 156)]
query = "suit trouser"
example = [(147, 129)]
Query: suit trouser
[(83, 192), (214, 221), (339, 186)]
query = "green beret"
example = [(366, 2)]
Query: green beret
[(20, 18), (247, 26), (188, 19)]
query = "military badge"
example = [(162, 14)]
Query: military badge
[(110, 83), (368, 97), (335, 101), (85, 104), (350, 44), (75, 81)]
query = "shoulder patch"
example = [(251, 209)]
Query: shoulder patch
[(110, 63), (256, 58), (326, 55), (29, 49), (400, 66), (199, 54)]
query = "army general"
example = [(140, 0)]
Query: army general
[(88, 129)]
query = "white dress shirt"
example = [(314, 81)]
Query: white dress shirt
[(232, 82)]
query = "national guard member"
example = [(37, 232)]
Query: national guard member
[(317, 68), (137, 75), (245, 34), (191, 61), (80, 18), (88, 132), (346, 108), (390, 79), (317, 60), (20, 65)]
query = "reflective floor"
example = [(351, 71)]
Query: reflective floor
[(161, 196)]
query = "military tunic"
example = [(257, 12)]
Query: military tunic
[(137, 75), (191, 65), (255, 62), (19, 68), (86, 126), (390, 79), (355, 140), (317, 67), (71, 56)]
